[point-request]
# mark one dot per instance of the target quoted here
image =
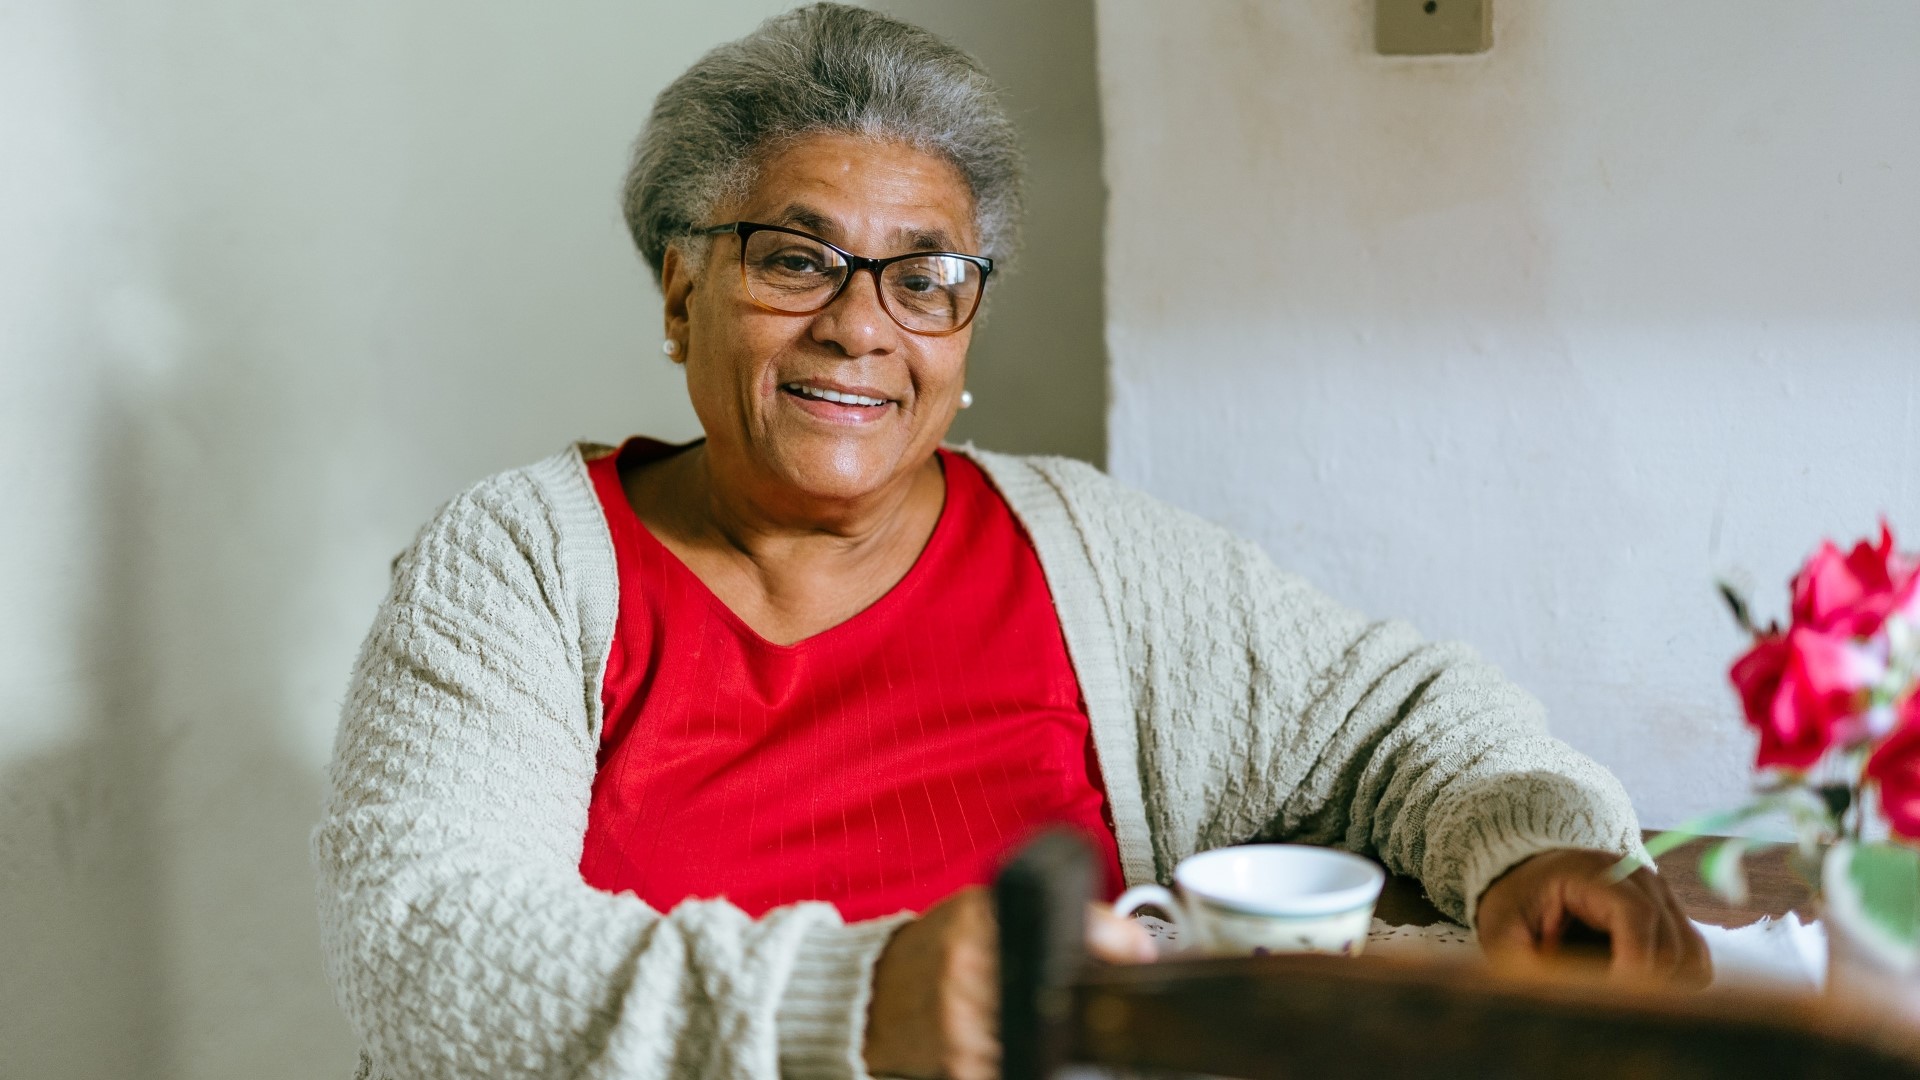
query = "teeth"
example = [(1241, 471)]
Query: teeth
[(833, 395)]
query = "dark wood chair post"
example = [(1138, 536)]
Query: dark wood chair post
[(1040, 900)]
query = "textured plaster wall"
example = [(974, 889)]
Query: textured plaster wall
[(1528, 347)]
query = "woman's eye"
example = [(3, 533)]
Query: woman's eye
[(796, 263), (918, 283)]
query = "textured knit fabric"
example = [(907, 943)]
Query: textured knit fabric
[(880, 765), (1229, 701)]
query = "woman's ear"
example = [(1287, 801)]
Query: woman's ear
[(676, 289)]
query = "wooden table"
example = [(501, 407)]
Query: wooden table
[(1774, 887), (1432, 1018)]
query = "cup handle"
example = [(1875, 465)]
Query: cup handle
[(1157, 896)]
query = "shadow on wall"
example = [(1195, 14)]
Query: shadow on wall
[(1038, 367), (154, 885), (82, 982)]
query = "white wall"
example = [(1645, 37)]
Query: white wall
[(1528, 347), (1038, 364), (275, 280)]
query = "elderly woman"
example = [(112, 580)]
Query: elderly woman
[(690, 760)]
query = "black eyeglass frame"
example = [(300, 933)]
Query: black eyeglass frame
[(855, 264)]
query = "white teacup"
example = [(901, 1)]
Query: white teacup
[(1267, 898)]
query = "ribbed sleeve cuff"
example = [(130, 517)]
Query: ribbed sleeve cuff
[(822, 1018), (1535, 817)]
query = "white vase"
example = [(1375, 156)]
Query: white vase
[(1865, 967)]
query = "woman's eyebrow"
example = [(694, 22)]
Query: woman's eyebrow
[(925, 239), (906, 238), (801, 216)]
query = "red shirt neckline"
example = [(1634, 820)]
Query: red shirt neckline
[(878, 765), (626, 521)]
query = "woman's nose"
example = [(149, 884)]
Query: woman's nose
[(856, 321)]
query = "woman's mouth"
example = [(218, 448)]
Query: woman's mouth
[(837, 397), (838, 405)]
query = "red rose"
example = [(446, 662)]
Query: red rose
[(1853, 594), (1756, 676), (1802, 691), (1895, 767)]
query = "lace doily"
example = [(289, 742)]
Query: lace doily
[(1382, 938)]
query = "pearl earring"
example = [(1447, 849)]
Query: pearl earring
[(966, 399), (670, 347)]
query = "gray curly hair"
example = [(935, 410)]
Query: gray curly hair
[(822, 68)]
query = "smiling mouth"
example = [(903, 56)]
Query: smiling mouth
[(815, 393)]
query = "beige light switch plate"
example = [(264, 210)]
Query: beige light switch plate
[(1432, 27)]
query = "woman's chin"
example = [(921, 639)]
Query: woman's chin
[(840, 470)]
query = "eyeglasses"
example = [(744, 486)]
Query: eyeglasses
[(786, 270)]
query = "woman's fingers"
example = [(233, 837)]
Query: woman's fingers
[(1647, 931), (1695, 965), (935, 1009), (1506, 937), (969, 990), (936, 995), (1631, 923), (1116, 939), (1514, 932), (1678, 953), (1649, 934)]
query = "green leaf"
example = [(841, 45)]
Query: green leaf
[(1667, 841), (1738, 605), (1886, 878), (1714, 824), (1721, 869), (1804, 807), (1838, 797)]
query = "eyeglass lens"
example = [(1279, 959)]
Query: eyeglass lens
[(930, 293)]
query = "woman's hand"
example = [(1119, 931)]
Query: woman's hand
[(1549, 900), (936, 988)]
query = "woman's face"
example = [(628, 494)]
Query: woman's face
[(749, 370)]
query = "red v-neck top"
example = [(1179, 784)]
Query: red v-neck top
[(879, 765)]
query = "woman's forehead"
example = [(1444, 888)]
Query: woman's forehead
[(864, 191)]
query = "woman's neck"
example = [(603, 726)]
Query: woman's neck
[(788, 564)]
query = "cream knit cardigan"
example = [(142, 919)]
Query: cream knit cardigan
[(1229, 702)]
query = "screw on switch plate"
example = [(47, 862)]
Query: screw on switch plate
[(1432, 27)]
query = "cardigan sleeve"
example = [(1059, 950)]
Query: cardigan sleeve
[(1263, 710), (458, 933), (1421, 753)]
